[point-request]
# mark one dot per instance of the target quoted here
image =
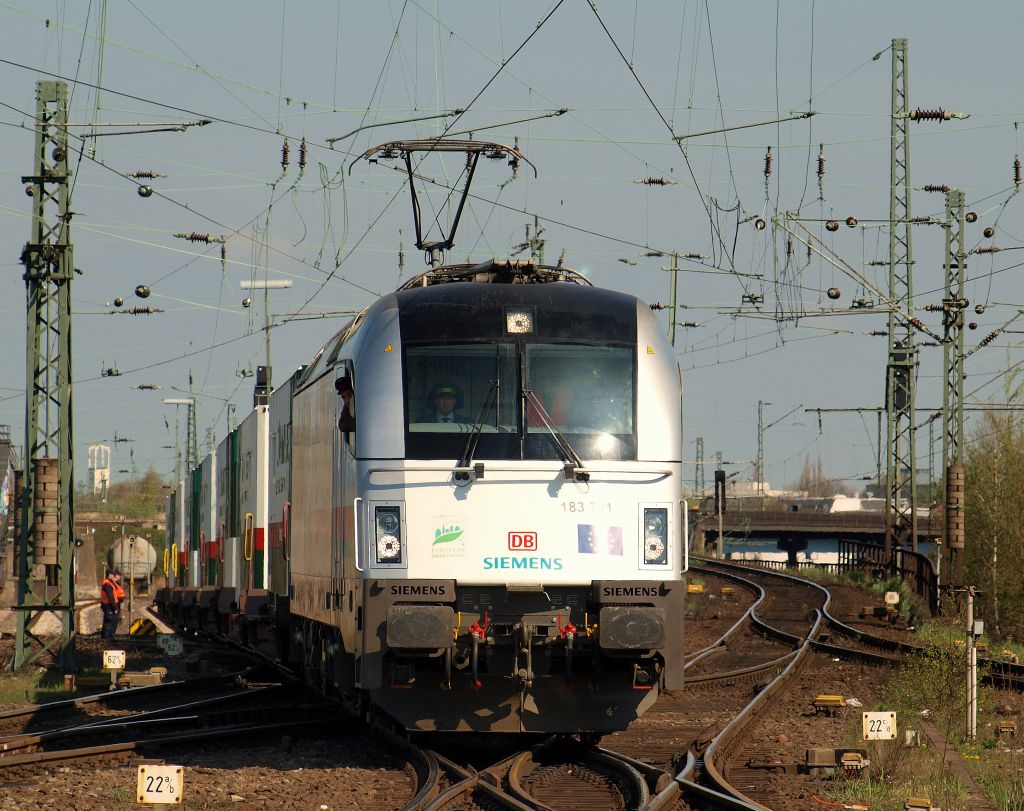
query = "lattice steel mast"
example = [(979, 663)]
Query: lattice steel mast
[(901, 478), (47, 526), (953, 306)]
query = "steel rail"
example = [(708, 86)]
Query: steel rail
[(12, 742), (468, 782), (515, 782), (743, 671), (722, 641), (114, 696), (64, 755), (732, 730)]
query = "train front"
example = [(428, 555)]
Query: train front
[(522, 551)]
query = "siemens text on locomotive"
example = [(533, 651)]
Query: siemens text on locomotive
[(465, 511)]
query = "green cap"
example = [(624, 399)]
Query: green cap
[(444, 390)]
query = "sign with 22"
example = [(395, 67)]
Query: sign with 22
[(879, 726), (160, 784)]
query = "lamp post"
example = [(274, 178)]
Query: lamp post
[(265, 285)]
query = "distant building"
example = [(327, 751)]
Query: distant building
[(98, 472)]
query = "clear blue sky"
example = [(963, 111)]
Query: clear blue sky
[(266, 70)]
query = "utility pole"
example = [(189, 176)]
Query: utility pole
[(759, 467), (672, 299), (974, 630), (901, 478), (953, 306), (190, 450), (47, 513), (698, 470), (720, 508)]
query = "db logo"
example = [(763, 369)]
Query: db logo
[(522, 541)]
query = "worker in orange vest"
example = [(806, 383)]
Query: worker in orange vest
[(111, 597)]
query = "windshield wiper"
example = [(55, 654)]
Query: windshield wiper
[(462, 468), (573, 465)]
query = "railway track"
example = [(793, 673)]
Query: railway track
[(140, 721), (703, 748)]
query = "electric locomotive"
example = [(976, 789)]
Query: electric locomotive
[(517, 567)]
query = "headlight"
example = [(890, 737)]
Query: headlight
[(655, 536), (389, 535)]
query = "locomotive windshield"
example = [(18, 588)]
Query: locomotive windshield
[(522, 397)]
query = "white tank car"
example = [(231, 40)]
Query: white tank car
[(134, 556), (486, 523)]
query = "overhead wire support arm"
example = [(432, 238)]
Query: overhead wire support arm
[(795, 117), (332, 141)]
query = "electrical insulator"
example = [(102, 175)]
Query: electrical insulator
[(917, 322), (145, 191), (768, 163), (195, 236), (988, 249), (655, 181), (979, 308), (628, 261), (989, 232), (930, 115), (285, 149), (936, 187), (834, 293), (694, 256), (760, 224), (1016, 171), (821, 160), (789, 246), (934, 308), (851, 222), (145, 174), (653, 253), (971, 216), (223, 253), (832, 225), (302, 154)]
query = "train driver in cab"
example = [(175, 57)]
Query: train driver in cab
[(347, 418), (446, 397)]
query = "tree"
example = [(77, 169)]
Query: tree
[(814, 481), (141, 498), (994, 544)]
